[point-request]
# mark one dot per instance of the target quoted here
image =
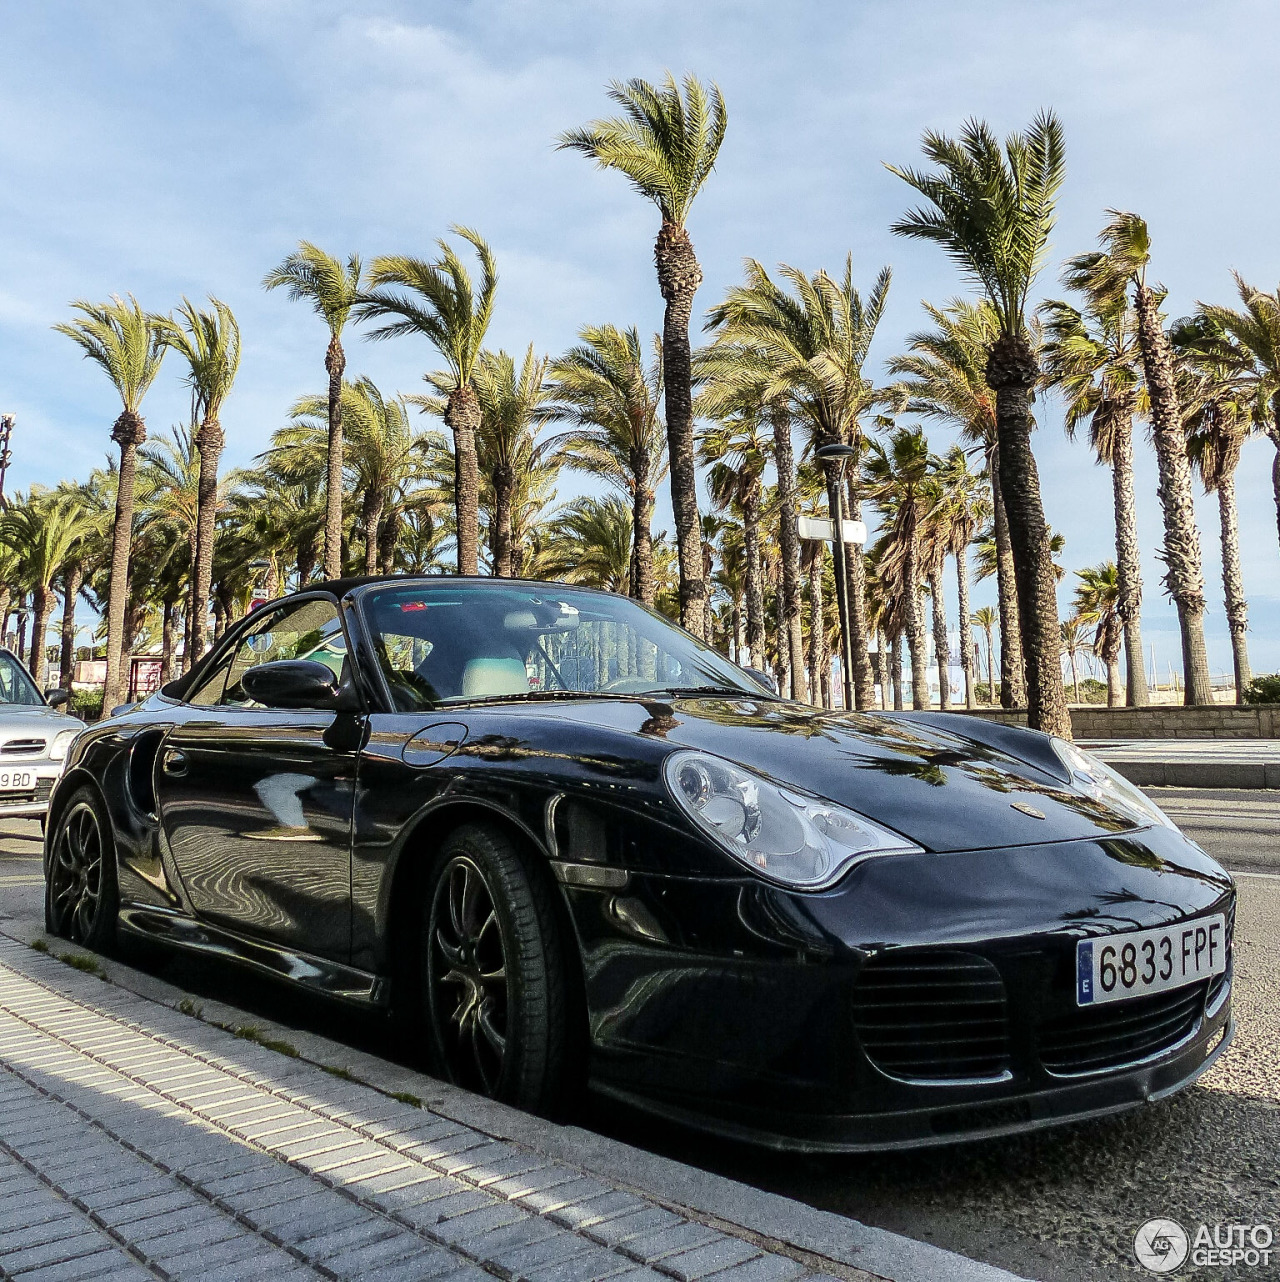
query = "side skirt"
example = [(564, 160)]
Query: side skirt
[(318, 974)]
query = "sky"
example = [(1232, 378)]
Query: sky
[(183, 149)]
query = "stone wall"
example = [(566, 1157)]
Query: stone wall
[(1225, 721)]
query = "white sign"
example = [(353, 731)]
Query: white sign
[(821, 527)]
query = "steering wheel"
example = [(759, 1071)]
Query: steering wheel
[(627, 685)]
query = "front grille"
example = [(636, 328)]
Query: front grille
[(42, 791), (1093, 1039), (23, 747), (932, 1015)]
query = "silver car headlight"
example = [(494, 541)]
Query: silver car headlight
[(1098, 780), (797, 840), (62, 744)]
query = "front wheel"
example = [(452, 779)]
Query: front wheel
[(494, 982), (81, 896)]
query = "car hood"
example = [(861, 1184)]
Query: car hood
[(976, 786), (29, 721)]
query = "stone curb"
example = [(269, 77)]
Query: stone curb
[(706, 1196), (1197, 774)]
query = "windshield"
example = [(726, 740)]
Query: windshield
[(447, 641), (15, 685)]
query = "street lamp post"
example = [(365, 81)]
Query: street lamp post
[(839, 455)]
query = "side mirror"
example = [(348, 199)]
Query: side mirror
[(296, 683), (764, 679), (56, 698)]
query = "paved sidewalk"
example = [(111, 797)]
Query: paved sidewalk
[(138, 1142), (1192, 763)]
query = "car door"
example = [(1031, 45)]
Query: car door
[(256, 803)]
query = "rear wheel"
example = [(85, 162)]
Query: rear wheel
[(493, 976), (81, 895)]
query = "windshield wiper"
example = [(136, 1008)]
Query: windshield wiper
[(735, 692)]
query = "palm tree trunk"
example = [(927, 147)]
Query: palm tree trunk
[(1233, 583), (856, 575), (209, 440), (129, 432), (1075, 676), (462, 416), (1013, 689), (1128, 561), (388, 532), (754, 578), (991, 665), (966, 628), (789, 544), (335, 362), (1012, 371), (503, 484), (941, 649), (306, 559), (1111, 635), (882, 667), (819, 658), (372, 518), (1185, 577), (915, 624), (678, 278), (72, 580), (642, 587), (895, 671), (168, 639), (42, 601), (22, 632)]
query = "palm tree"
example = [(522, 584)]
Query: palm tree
[(738, 452), (128, 344), (896, 475), (993, 211), (439, 301), (809, 348), (606, 390), (591, 544), (511, 408), (1101, 276), (383, 454), (985, 618), (1097, 602), (962, 504), (169, 495), (1093, 358), (95, 500), (1248, 343), (331, 287), (1073, 645), (1220, 409), (946, 370), (666, 143), (43, 532), (210, 344)]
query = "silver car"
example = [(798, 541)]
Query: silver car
[(35, 737)]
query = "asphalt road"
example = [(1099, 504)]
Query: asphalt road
[(1060, 1206)]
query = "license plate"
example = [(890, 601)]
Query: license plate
[(17, 780), (1149, 961)]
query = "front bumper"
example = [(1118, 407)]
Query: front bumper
[(34, 802), (746, 1011)]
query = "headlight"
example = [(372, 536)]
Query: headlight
[(1096, 779), (780, 834), (62, 744)]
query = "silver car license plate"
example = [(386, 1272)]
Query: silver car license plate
[(1139, 962), (17, 780)]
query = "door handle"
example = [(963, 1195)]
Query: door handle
[(174, 763)]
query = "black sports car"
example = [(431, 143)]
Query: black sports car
[(564, 840)]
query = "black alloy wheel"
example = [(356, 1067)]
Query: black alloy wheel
[(80, 884), (495, 993), (469, 989)]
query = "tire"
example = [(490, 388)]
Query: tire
[(82, 896), (493, 984)]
